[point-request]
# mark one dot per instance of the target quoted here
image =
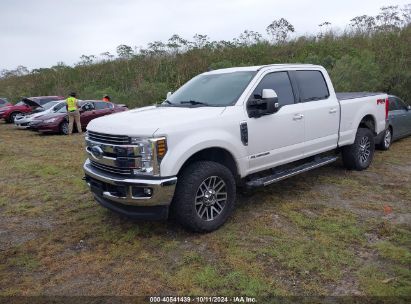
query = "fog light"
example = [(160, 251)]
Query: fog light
[(147, 191), (142, 192)]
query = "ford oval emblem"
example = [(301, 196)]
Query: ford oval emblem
[(97, 152)]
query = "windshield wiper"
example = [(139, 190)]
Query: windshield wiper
[(168, 101), (194, 102)]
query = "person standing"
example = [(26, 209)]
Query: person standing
[(73, 113)]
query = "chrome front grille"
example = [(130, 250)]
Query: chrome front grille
[(110, 169), (109, 139)]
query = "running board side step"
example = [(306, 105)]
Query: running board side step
[(276, 177)]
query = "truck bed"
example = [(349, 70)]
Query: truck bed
[(352, 95)]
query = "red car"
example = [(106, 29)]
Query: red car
[(89, 109), (26, 105)]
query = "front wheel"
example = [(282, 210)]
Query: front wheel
[(359, 155), (205, 196)]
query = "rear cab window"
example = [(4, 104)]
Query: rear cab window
[(312, 85)]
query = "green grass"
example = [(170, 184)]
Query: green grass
[(314, 234)]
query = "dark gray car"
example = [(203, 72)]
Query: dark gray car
[(399, 123)]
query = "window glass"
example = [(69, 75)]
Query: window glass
[(43, 100), (222, 89), (49, 105), (101, 105), (59, 106), (62, 110), (2, 101), (280, 83), (312, 85), (392, 105), (401, 104)]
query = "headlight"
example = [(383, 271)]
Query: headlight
[(50, 120), (152, 152)]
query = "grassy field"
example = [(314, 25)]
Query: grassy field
[(326, 232)]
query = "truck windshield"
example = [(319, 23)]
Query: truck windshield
[(212, 90)]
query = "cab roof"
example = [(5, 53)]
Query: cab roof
[(260, 67)]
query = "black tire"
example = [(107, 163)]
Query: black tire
[(193, 198), (359, 155), (386, 140), (12, 117), (64, 127)]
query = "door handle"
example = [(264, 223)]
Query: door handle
[(298, 116), (332, 111)]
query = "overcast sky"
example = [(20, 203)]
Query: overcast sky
[(39, 33)]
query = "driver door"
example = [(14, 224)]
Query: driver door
[(277, 138)]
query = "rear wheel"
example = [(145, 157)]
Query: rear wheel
[(64, 127), (359, 155), (386, 140), (205, 196)]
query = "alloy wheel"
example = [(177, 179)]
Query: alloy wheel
[(365, 149), (64, 128), (211, 198), (387, 138)]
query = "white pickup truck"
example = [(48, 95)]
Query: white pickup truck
[(248, 126)]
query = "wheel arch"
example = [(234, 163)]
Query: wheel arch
[(216, 154), (368, 122)]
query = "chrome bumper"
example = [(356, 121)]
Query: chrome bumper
[(160, 191)]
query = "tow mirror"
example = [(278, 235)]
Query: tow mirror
[(169, 94), (268, 94), (264, 105)]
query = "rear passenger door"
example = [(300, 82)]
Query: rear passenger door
[(321, 112)]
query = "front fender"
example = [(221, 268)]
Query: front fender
[(181, 149)]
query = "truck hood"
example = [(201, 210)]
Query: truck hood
[(146, 121)]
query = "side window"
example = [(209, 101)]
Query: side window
[(280, 83), (393, 105), (59, 106), (101, 105), (2, 101), (401, 104), (312, 85)]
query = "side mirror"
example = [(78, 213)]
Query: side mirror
[(267, 104), (268, 94), (409, 108), (169, 94)]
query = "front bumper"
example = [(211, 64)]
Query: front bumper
[(134, 197)]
